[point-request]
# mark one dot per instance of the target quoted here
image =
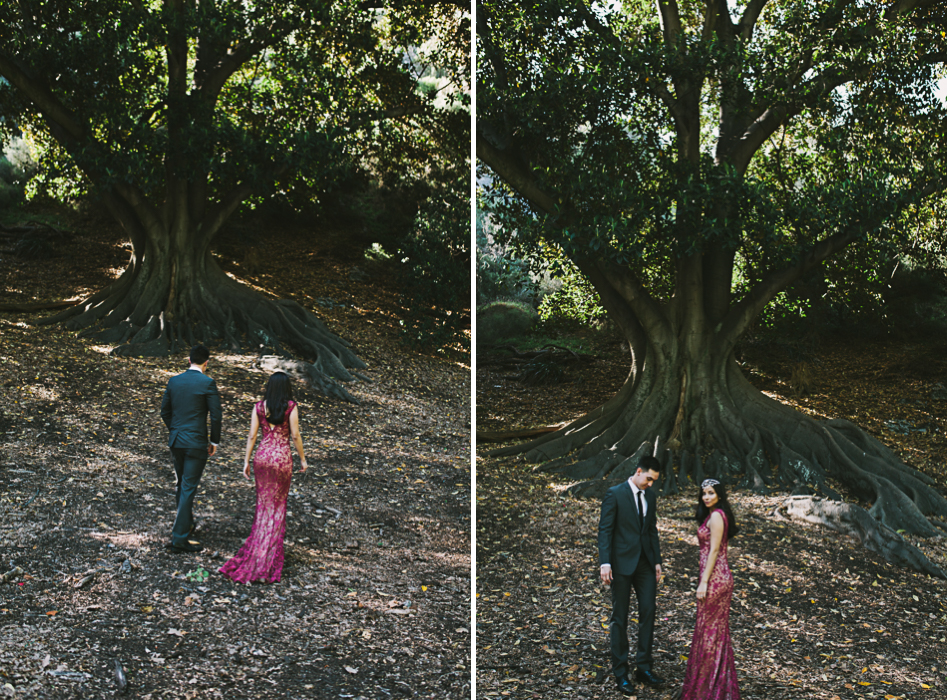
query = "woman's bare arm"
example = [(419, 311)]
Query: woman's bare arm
[(297, 437), (716, 537), (251, 441)]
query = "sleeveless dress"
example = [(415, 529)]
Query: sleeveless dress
[(711, 670), (261, 557)]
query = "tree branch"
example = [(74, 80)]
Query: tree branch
[(670, 20), (645, 307), (516, 173), (41, 96), (593, 23), (743, 312), (748, 21), (219, 213)]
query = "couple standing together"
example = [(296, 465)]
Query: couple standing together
[(630, 558), (188, 401)]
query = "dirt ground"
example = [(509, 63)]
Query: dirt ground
[(374, 600), (814, 615)]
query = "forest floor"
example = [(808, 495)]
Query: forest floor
[(374, 600), (814, 615)]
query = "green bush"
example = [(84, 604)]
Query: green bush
[(501, 320), (499, 276), (574, 297), (434, 269)]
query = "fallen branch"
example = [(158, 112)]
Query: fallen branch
[(11, 574), (520, 358), (32, 227)]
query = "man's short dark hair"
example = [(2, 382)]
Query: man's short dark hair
[(199, 355), (649, 463)]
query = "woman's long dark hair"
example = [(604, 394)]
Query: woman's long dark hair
[(279, 392), (723, 503)]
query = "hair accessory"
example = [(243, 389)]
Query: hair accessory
[(709, 482)]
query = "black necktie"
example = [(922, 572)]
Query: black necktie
[(640, 512)]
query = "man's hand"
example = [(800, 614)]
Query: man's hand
[(211, 449), (657, 572), (606, 573)]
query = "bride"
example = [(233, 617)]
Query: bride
[(711, 671), (261, 557)]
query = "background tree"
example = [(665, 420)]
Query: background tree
[(694, 160), (178, 111)]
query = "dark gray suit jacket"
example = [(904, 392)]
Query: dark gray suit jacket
[(621, 541), (189, 398)]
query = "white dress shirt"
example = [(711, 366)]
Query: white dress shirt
[(634, 495)]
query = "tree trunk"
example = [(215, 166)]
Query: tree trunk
[(173, 295)]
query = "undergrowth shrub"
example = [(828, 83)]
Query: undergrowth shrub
[(501, 320), (434, 270), (499, 276)]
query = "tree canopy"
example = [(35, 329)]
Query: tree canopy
[(694, 159)]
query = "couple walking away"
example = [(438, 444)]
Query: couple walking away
[(188, 401), (630, 557)]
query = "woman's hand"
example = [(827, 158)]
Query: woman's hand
[(246, 471), (701, 591), (302, 465)]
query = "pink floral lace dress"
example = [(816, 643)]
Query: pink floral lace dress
[(261, 557), (711, 670)]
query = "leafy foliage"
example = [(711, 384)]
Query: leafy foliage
[(640, 142), (574, 296), (435, 268), (499, 275)]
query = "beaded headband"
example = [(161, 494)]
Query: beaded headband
[(709, 482)]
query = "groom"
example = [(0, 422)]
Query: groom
[(190, 396), (630, 557)]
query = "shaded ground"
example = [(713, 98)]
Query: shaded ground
[(814, 615), (374, 599)]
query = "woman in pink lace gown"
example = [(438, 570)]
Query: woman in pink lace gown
[(261, 557), (711, 670)]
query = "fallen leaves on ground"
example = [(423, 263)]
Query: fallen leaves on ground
[(381, 516), (814, 615)]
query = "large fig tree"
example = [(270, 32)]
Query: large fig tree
[(178, 111), (694, 158)]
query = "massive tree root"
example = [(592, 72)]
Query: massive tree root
[(166, 305), (704, 419), (857, 522)]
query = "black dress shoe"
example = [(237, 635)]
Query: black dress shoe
[(188, 546), (625, 686), (648, 678)]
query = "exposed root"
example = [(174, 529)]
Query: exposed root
[(305, 372), (856, 521), (137, 316), (749, 441)]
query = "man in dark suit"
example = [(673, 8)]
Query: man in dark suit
[(630, 557), (189, 398)]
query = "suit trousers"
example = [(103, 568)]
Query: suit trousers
[(189, 466), (646, 586)]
